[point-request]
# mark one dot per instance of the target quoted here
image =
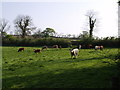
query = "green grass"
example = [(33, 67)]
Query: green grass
[(55, 69)]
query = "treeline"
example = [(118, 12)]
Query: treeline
[(14, 41), (115, 43), (28, 35), (108, 42)]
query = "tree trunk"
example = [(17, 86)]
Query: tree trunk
[(23, 34)]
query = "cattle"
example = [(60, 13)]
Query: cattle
[(44, 47), (74, 53), (20, 49), (37, 50), (99, 47), (55, 46)]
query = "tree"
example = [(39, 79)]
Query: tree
[(4, 27), (84, 35), (24, 25), (92, 21), (69, 35), (37, 33), (119, 2), (48, 32)]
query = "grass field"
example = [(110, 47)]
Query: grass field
[(55, 69)]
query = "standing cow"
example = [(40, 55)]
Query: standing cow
[(99, 47), (74, 53)]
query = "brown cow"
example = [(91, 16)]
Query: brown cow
[(20, 49), (37, 50)]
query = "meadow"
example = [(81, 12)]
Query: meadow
[(54, 68)]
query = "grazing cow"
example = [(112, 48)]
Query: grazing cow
[(20, 49), (74, 52), (44, 47), (55, 46), (37, 50), (99, 47)]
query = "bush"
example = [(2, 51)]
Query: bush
[(35, 42), (9, 40), (107, 43)]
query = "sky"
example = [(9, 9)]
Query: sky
[(65, 16)]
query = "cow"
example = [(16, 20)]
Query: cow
[(20, 49), (74, 52), (55, 46), (37, 50), (44, 47), (99, 47)]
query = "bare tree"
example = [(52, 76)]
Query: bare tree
[(4, 27), (24, 25), (92, 20), (119, 2)]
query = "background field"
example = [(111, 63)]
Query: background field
[(55, 69)]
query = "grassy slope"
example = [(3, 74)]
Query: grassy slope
[(55, 68)]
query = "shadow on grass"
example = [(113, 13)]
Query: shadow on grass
[(78, 59), (71, 78)]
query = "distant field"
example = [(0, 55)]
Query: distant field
[(55, 69)]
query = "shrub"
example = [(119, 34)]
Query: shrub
[(35, 42)]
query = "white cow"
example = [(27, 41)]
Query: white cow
[(74, 52), (99, 47)]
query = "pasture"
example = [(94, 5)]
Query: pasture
[(54, 68)]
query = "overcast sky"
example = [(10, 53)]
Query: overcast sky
[(65, 16)]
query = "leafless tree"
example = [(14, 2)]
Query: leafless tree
[(92, 21), (4, 27), (24, 25)]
